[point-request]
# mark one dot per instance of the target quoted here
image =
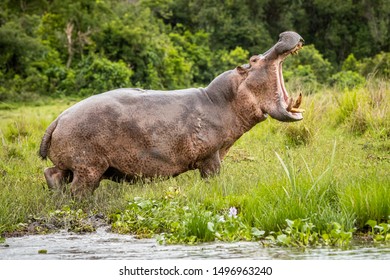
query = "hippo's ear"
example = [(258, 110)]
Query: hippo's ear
[(242, 70)]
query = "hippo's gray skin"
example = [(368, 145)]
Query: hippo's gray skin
[(127, 134)]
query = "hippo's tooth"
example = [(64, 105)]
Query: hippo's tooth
[(290, 104), (294, 108), (297, 110), (298, 101), (294, 52)]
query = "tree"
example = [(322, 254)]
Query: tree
[(168, 44)]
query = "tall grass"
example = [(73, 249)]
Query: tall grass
[(331, 167)]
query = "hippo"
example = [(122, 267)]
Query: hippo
[(130, 134)]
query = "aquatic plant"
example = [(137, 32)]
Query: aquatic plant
[(303, 233), (335, 235), (298, 233), (232, 212), (146, 217), (379, 232), (193, 224), (70, 220), (174, 222)]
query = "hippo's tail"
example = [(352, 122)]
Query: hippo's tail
[(46, 139)]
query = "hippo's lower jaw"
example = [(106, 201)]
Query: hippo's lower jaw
[(287, 110)]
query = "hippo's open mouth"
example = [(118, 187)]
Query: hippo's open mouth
[(287, 103), (285, 107)]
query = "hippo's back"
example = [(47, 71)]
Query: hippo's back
[(129, 128)]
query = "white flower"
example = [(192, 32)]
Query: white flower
[(233, 212)]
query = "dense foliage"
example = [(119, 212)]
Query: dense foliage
[(65, 47)]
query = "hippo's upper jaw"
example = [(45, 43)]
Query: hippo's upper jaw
[(283, 107)]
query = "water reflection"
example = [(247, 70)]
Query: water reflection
[(105, 245)]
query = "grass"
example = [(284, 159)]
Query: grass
[(329, 169)]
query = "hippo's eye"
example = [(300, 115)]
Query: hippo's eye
[(254, 58)]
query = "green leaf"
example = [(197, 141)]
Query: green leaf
[(325, 236), (379, 228), (289, 223), (284, 239), (210, 226), (371, 223), (257, 233), (378, 238)]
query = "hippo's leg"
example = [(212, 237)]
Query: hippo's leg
[(57, 178), (86, 180), (210, 166), (117, 176)]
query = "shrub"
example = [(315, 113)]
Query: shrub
[(308, 66), (347, 79), (194, 47), (231, 59), (96, 75), (350, 64), (378, 65)]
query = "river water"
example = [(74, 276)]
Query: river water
[(109, 246)]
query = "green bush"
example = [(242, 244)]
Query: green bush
[(194, 48), (379, 65), (350, 64), (21, 52), (308, 69), (96, 75), (310, 56), (347, 79), (225, 60)]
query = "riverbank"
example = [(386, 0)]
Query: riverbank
[(103, 245), (327, 173)]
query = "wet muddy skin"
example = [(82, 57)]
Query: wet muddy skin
[(105, 245)]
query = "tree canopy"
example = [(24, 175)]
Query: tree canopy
[(64, 47)]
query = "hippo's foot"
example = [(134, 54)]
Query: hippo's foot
[(86, 180), (210, 166), (57, 178)]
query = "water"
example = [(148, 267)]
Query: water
[(109, 246)]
